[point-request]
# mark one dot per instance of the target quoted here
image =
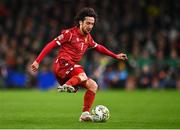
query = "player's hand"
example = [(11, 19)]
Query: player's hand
[(34, 66), (122, 56)]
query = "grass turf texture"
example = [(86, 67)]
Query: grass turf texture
[(136, 109)]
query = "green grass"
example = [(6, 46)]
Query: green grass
[(136, 109)]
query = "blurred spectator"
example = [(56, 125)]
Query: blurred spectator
[(145, 79)]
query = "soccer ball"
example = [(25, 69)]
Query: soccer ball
[(100, 113)]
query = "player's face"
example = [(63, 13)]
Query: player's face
[(87, 25)]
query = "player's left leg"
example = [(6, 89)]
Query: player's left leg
[(61, 68), (89, 97), (76, 76)]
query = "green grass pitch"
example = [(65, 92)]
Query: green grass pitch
[(136, 109)]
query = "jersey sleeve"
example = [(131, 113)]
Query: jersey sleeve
[(100, 48), (65, 36), (46, 50), (105, 51), (92, 43)]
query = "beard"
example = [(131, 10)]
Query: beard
[(86, 31)]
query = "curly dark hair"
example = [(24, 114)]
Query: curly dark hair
[(84, 13)]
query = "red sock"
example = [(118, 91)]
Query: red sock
[(88, 100), (75, 80)]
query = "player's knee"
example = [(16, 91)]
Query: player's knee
[(92, 85), (83, 76)]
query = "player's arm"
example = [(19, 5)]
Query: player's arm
[(64, 37), (43, 53), (104, 50)]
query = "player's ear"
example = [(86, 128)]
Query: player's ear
[(80, 23)]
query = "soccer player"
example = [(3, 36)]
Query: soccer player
[(73, 44)]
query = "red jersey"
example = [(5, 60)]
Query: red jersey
[(74, 44)]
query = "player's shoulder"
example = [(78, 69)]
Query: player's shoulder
[(68, 30), (90, 37), (91, 41)]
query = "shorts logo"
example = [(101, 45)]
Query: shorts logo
[(67, 72)]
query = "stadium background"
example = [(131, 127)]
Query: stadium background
[(147, 30)]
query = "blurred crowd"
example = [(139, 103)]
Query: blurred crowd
[(147, 30)]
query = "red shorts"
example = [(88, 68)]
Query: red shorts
[(64, 70)]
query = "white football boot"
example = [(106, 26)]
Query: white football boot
[(66, 88), (85, 116)]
